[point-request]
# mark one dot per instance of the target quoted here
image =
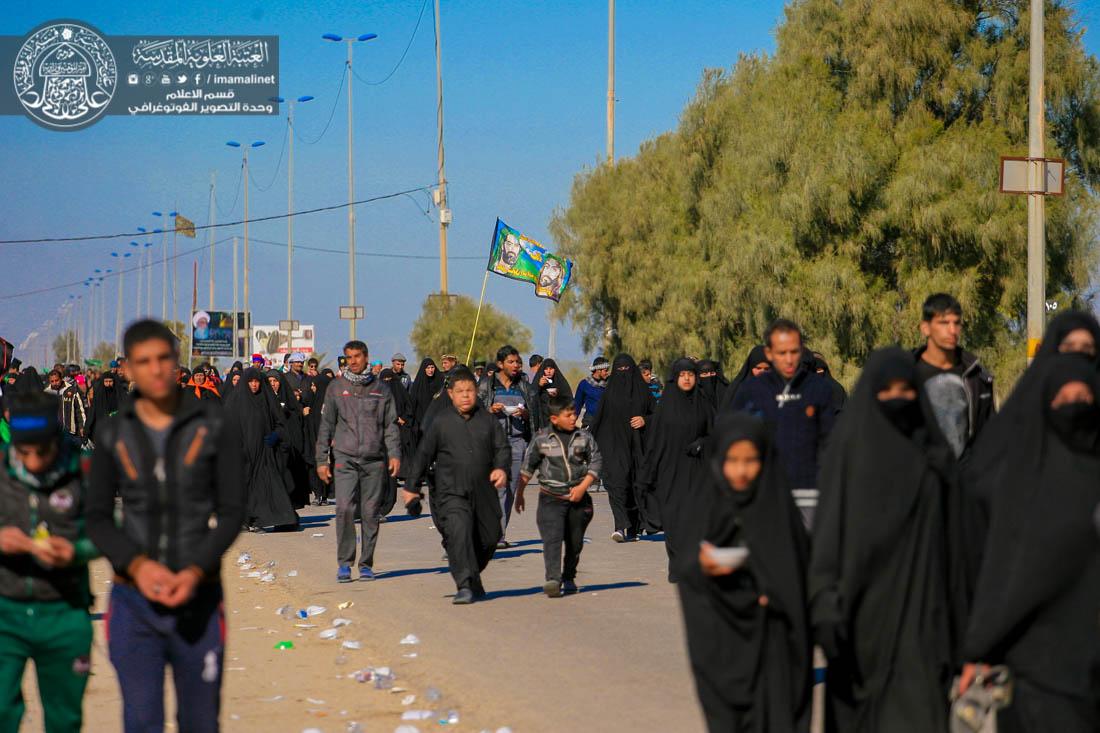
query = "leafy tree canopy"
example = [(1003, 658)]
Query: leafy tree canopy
[(838, 183)]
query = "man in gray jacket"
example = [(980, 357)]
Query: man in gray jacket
[(359, 426)]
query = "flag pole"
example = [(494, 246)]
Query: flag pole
[(480, 302)]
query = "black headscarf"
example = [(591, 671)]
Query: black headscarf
[(878, 575), (626, 396), (268, 487), (756, 356), (29, 380), (424, 389), (105, 402), (1038, 591), (673, 467), (713, 388), (992, 446), (558, 382), (751, 646), (400, 394)]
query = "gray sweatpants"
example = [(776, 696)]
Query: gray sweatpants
[(508, 495), (360, 485)]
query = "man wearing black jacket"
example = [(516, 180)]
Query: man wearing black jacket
[(175, 464), (956, 386), (798, 406)]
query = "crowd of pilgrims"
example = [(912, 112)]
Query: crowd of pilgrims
[(953, 555)]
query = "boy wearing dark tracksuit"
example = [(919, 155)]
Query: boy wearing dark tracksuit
[(568, 463), (44, 595), (175, 464)]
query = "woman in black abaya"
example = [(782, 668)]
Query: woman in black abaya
[(673, 469), (878, 584), (107, 395), (290, 448), (712, 383), (747, 628), (619, 427), (405, 430), (550, 382), (267, 486), (425, 387), (313, 397), (756, 363), (1037, 600)]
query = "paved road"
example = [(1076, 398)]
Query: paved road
[(609, 659)]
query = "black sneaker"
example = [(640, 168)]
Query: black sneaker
[(414, 508), (552, 588), (463, 597), (568, 586)]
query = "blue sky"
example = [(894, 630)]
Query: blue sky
[(525, 95)]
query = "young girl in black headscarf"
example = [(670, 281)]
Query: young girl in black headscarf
[(550, 382), (673, 469), (878, 582), (745, 617), (1037, 600), (618, 427)]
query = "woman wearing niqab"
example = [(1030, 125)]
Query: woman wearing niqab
[(1037, 601), (626, 397), (878, 585)]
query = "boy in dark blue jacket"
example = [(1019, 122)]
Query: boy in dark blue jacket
[(798, 406)]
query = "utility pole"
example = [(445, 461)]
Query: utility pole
[(290, 212), (236, 313), (1036, 206), (164, 268), (351, 209), (610, 81), (118, 313), (210, 236), (441, 203), (248, 316), (175, 297)]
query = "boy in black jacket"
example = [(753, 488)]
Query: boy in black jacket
[(44, 596), (471, 456), (568, 461)]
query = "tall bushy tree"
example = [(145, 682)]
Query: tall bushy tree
[(445, 326), (838, 183)]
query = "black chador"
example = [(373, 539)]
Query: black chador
[(627, 396), (878, 573), (267, 484), (673, 468), (1037, 602), (748, 632), (465, 448)]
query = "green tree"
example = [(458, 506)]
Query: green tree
[(66, 347), (839, 182), (445, 326), (104, 352)]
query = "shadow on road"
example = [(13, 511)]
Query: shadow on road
[(537, 590)]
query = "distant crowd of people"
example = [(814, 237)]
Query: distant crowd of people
[(943, 555)]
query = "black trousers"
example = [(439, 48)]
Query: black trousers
[(468, 536), (624, 507), (561, 521)]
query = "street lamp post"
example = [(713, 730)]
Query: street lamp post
[(118, 309), (290, 200), (351, 174), (244, 173)]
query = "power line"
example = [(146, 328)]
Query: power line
[(388, 255), (273, 217), (278, 165), (331, 113), (236, 197), (110, 275), (404, 53)]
